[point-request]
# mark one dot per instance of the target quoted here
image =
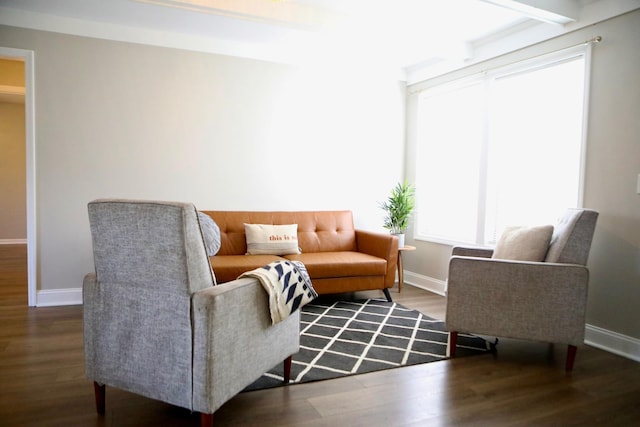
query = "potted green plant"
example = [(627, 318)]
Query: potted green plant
[(399, 207)]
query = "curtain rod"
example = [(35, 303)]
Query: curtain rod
[(591, 41)]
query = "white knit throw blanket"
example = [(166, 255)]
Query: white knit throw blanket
[(288, 285)]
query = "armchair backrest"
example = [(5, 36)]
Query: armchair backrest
[(572, 236), (149, 260), (149, 245)]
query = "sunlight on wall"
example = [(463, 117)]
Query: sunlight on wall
[(342, 135)]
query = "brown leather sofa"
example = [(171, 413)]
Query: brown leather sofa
[(338, 257)]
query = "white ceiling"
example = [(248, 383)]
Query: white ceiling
[(401, 35)]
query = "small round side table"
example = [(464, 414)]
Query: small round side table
[(400, 268)]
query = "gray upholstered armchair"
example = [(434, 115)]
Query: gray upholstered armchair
[(542, 301), (155, 324)]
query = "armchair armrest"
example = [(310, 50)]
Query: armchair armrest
[(89, 317), (234, 340), (542, 301), (382, 246)]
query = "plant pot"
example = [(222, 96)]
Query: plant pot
[(400, 237)]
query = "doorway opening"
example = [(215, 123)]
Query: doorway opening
[(20, 91)]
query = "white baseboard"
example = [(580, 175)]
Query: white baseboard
[(57, 297), (604, 339), (13, 241), (613, 342), (425, 282)]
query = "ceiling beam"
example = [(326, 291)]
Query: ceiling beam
[(279, 12), (551, 11)]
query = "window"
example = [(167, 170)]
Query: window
[(502, 148)]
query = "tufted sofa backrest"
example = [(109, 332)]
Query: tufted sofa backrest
[(318, 231)]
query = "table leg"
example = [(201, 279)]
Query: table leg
[(400, 272)]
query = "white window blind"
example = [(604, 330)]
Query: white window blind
[(502, 148)]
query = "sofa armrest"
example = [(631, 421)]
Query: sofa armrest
[(473, 252), (383, 246), (532, 300), (234, 340)]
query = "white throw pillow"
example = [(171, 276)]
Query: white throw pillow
[(268, 239), (524, 243)]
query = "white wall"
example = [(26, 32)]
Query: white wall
[(125, 120)]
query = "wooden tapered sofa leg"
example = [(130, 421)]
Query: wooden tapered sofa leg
[(571, 357), (99, 390), (287, 369), (453, 340)]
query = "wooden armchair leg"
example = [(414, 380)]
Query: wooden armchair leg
[(206, 420), (453, 340), (99, 390), (287, 369), (571, 357)]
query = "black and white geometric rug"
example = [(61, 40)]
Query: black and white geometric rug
[(340, 338)]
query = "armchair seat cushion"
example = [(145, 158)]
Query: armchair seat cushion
[(341, 264)]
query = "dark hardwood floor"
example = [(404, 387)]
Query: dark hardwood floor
[(42, 381)]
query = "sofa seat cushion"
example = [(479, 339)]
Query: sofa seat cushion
[(230, 267), (340, 264)]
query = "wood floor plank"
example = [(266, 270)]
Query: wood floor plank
[(42, 380)]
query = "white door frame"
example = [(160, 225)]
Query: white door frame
[(30, 139)]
